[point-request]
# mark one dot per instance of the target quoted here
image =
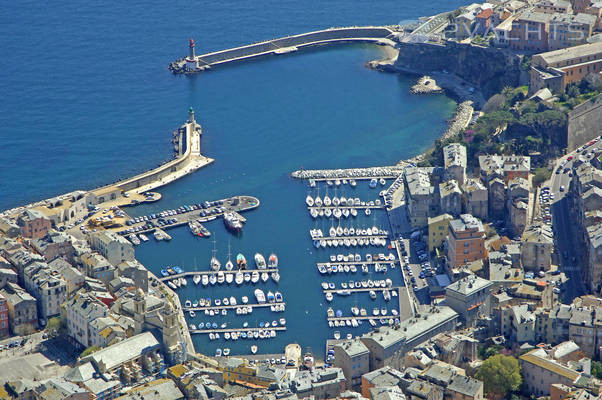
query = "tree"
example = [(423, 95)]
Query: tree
[(55, 326), (89, 350), (500, 375), (597, 369), (541, 175)]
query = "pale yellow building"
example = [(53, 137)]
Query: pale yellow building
[(438, 230)]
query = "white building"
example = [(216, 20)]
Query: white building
[(79, 312), (115, 248)]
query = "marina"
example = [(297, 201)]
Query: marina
[(355, 290), (230, 330), (231, 307), (201, 273)]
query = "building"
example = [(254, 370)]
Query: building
[(469, 297), (98, 267), (239, 371), (483, 22), (567, 30), (4, 323), (450, 197), (504, 167), (554, 7), (158, 389), (322, 383), (22, 309), (537, 245), (557, 69), (54, 245), (58, 388), (33, 224), (73, 278), (47, 286), (438, 227), (530, 32), (383, 377), (115, 248), (7, 275), (475, 199), (585, 329), (465, 241), (454, 160), (78, 312), (420, 196), (352, 356)]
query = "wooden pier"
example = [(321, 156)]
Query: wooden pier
[(230, 330), (231, 307), (233, 272)]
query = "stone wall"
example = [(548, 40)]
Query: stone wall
[(584, 123), (487, 68)]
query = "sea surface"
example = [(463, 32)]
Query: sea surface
[(87, 99)]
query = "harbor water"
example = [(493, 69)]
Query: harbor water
[(98, 104)]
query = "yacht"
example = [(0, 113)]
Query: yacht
[(309, 201), (259, 261), (327, 201), (372, 294), (229, 265), (239, 278), (253, 349), (260, 296), (205, 280), (241, 261), (229, 278), (373, 183), (278, 297), (273, 261), (367, 211), (255, 277), (271, 297), (245, 299), (213, 279), (275, 277), (265, 276), (196, 279), (352, 183), (382, 181), (337, 335)]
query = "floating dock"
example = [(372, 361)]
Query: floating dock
[(376, 289), (231, 307), (368, 263), (230, 330), (348, 237), (193, 273)]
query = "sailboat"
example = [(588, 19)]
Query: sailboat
[(197, 277), (215, 264), (229, 264)]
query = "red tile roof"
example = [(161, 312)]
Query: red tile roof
[(485, 13)]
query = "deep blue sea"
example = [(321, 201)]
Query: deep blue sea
[(87, 99)]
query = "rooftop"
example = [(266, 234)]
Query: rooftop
[(119, 353), (466, 222), (469, 285), (571, 53)]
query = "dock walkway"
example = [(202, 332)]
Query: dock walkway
[(231, 307), (376, 289), (349, 237), (193, 273), (223, 330), (387, 172)]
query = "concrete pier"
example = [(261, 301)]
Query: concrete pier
[(232, 307), (223, 330), (388, 172), (193, 273), (376, 289)]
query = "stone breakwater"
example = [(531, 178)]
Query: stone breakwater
[(460, 120), (356, 173), (425, 85)]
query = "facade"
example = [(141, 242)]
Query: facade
[(567, 30), (553, 7), (454, 161), (4, 323), (47, 286), (504, 167), (530, 32), (420, 196), (537, 245), (22, 309), (476, 199), (33, 224), (54, 245), (115, 248), (465, 241), (469, 297), (98, 267), (450, 197), (557, 69), (352, 356), (382, 377), (438, 227), (78, 312)]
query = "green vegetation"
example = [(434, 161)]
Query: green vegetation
[(89, 350), (577, 93), (541, 175), (597, 369), (488, 351), (500, 375), (55, 326)]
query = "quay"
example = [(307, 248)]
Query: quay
[(231, 307), (193, 63), (237, 204), (376, 289), (388, 172), (193, 273), (221, 330)]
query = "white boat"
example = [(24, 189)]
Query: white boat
[(275, 277), (260, 296), (229, 278), (196, 279), (273, 261), (337, 335), (205, 280), (265, 276), (226, 351), (368, 211), (383, 182), (245, 299), (373, 183), (213, 279), (221, 278), (352, 183), (143, 237), (255, 277), (253, 349), (259, 261), (327, 201), (239, 278), (309, 201)]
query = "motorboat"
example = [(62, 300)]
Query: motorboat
[(229, 278), (260, 296), (278, 297), (275, 277), (196, 279), (239, 278), (309, 201), (259, 261), (205, 280), (373, 183), (273, 261), (241, 261)]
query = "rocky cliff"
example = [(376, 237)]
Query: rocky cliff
[(488, 69)]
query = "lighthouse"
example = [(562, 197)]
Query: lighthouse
[(191, 63)]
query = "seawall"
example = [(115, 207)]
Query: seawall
[(584, 123)]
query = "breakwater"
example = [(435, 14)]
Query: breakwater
[(344, 173), (365, 34)]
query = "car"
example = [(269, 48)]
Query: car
[(562, 188), (569, 158), (556, 290)]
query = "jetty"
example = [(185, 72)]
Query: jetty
[(349, 237), (381, 35), (368, 289), (230, 330), (201, 212), (387, 172), (230, 307), (192, 273)]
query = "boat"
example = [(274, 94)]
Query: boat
[(239, 278), (273, 261), (134, 239), (191, 313), (368, 211), (253, 349), (218, 352), (254, 276), (192, 327), (221, 277), (309, 201), (278, 297), (259, 261), (229, 278), (212, 279), (203, 232), (373, 183), (194, 227), (196, 279), (245, 299), (265, 276), (232, 222), (308, 360), (226, 351), (382, 181), (164, 273), (337, 335), (183, 281), (215, 264), (282, 321), (275, 277), (188, 303), (205, 280), (143, 237), (271, 297), (372, 294), (247, 277), (241, 261), (232, 300), (352, 183), (260, 296)]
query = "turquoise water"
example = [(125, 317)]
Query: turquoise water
[(97, 103)]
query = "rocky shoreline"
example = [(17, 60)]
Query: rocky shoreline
[(426, 85)]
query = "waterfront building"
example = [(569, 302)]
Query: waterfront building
[(553, 7), (420, 196), (470, 297), (475, 199), (454, 161), (537, 246), (98, 267), (4, 323), (33, 224), (438, 227), (530, 32), (78, 312), (557, 69), (465, 241), (450, 198), (352, 356), (239, 371), (174, 347), (567, 30), (115, 248), (22, 309)]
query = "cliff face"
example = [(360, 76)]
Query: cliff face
[(486, 68)]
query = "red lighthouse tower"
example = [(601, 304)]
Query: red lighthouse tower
[(191, 63), (191, 49)]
